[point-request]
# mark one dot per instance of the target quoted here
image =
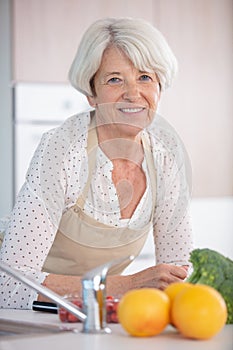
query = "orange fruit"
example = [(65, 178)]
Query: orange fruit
[(174, 288), (199, 312), (172, 291), (144, 312)]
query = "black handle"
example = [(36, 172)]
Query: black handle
[(45, 307)]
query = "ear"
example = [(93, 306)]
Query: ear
[(160, 93), (91, 101)]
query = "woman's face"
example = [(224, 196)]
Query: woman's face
[(123, 94)]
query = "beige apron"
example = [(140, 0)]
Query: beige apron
[(82, 243)]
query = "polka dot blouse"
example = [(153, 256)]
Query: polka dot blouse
[(56, 177)]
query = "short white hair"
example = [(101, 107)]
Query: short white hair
[(139, 40)]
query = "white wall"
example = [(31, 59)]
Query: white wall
[(213, 224)]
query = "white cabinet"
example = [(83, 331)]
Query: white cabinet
[(38, 108)]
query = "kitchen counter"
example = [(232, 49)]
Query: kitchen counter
[(42, 331)]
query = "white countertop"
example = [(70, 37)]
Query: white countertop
[(118, 339)]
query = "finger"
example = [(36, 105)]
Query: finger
[(179, 272)]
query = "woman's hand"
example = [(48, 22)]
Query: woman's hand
[(159, 276)]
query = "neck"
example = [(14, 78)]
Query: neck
[(118, 147)]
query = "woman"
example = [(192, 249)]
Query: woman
[(97, 184)]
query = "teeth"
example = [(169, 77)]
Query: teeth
[(131, 110)]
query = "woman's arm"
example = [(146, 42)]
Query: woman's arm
[(159, 276), (32, 227), (172, 227)]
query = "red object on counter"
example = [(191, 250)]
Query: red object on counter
[(111, 309)]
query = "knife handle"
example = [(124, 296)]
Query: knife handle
[(45, 307)]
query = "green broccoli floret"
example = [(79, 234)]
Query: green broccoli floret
[(215, 270)]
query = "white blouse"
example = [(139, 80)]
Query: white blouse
[(55, 179)]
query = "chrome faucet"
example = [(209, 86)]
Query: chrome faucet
[(94, 297), (93, 313)]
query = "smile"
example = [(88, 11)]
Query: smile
[(131, 110)]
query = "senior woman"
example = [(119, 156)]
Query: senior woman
[(98, 183)]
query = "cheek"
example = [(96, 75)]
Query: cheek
[(105, 95), (154, 99)]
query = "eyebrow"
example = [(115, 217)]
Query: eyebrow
[(111, 73), (145, 72)]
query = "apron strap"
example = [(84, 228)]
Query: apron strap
[(92, 145)]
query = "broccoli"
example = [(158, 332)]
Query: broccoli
[(215, 270)]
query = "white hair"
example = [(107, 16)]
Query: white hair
[(139, 40)]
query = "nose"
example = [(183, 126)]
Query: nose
[(131, 91)]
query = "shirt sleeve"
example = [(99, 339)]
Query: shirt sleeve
[(32, 226), (172, 226)]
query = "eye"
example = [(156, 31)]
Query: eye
[(114, 81), (145, 77)]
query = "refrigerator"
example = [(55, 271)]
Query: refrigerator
[(38, 108)]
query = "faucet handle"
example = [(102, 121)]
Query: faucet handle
[(94, 296)]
